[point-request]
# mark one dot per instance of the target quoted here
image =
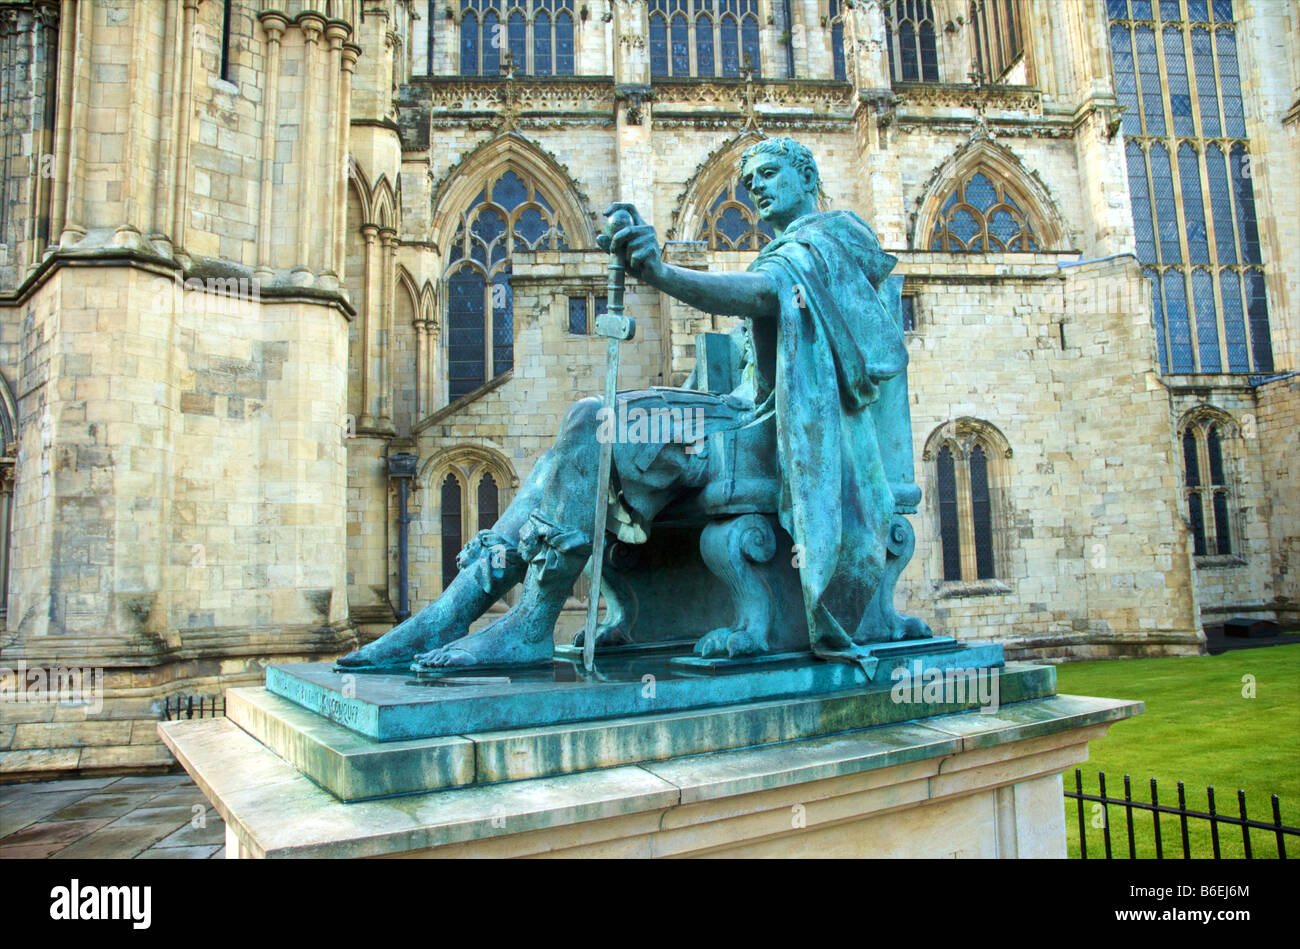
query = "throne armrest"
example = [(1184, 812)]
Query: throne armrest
[(718, 358)]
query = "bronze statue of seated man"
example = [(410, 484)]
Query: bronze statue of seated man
[(820, 344)]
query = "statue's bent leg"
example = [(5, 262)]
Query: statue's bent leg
[(490, 566), (556, 544), (524, 635)]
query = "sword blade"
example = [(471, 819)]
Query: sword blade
[(602, 507), (616, 328)]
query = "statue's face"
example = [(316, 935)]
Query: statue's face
[(779, 191)]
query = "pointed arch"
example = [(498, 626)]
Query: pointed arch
[(719, 171), (8, 415), (1002, 167), (963, 433), (384, 204), (1205, 414), (361, 188), (511, 151), (422, 295), (413, 291), (470, 460), (715, 173)]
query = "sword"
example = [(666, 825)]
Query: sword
[(617, 327)]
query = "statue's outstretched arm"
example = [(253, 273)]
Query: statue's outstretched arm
[(726, 294)]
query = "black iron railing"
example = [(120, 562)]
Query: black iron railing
[(1277, 830), (180, 707)]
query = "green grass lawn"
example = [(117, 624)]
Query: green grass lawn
[(1200, 729)]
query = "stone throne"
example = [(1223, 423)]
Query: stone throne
[(718, 564)]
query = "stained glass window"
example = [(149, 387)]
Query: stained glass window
[(998, 37), (578, 316), (541, 44), (910, 38), (508, 215), (963, 489), (981, 513), (837, 39), (564, 44), (908, 305), (1207, 485), (488, 503), (981, 215), (451, 529), (949, 531), (681, 45), (733, 223), (1200, 208), (658, 44), (537, 33), (686, 35), (704, 45), (584, 311)]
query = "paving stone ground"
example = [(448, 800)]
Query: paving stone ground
[(159, 817)]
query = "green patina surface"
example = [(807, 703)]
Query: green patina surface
[(352, 766)]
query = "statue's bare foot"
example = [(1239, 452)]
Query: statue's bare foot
[(505, 643), (436, 623), (607, 634), (732, 643), (911, 627)]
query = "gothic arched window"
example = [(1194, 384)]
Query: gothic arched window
[(508, 215), (452, 534), (910, 39), (966, 456), (489, 502), (537, 33), (982, 215), (837, 39), (1207, 489), (1201, 240), (732, 221), (687, 35), (999, 39), (471, 484)]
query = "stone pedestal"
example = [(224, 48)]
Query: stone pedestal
[(851, 772)]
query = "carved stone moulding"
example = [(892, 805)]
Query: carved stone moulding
[(722, 120), (483, 123), (469, 95), (946, 95), (912, 126)]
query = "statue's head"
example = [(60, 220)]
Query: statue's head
[(781, 177)]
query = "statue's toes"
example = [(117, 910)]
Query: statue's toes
[(452, 657), (356, 660), (914, 628), (616, 635), (713, 645), (426, 660), (741, 644)]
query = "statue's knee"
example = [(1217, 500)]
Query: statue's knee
[(582, 418)]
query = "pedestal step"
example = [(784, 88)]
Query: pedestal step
[(354, 767), (966, 784)]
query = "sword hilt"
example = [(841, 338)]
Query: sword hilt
[(613, 323)]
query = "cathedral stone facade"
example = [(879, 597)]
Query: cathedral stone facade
[(293, 295)]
